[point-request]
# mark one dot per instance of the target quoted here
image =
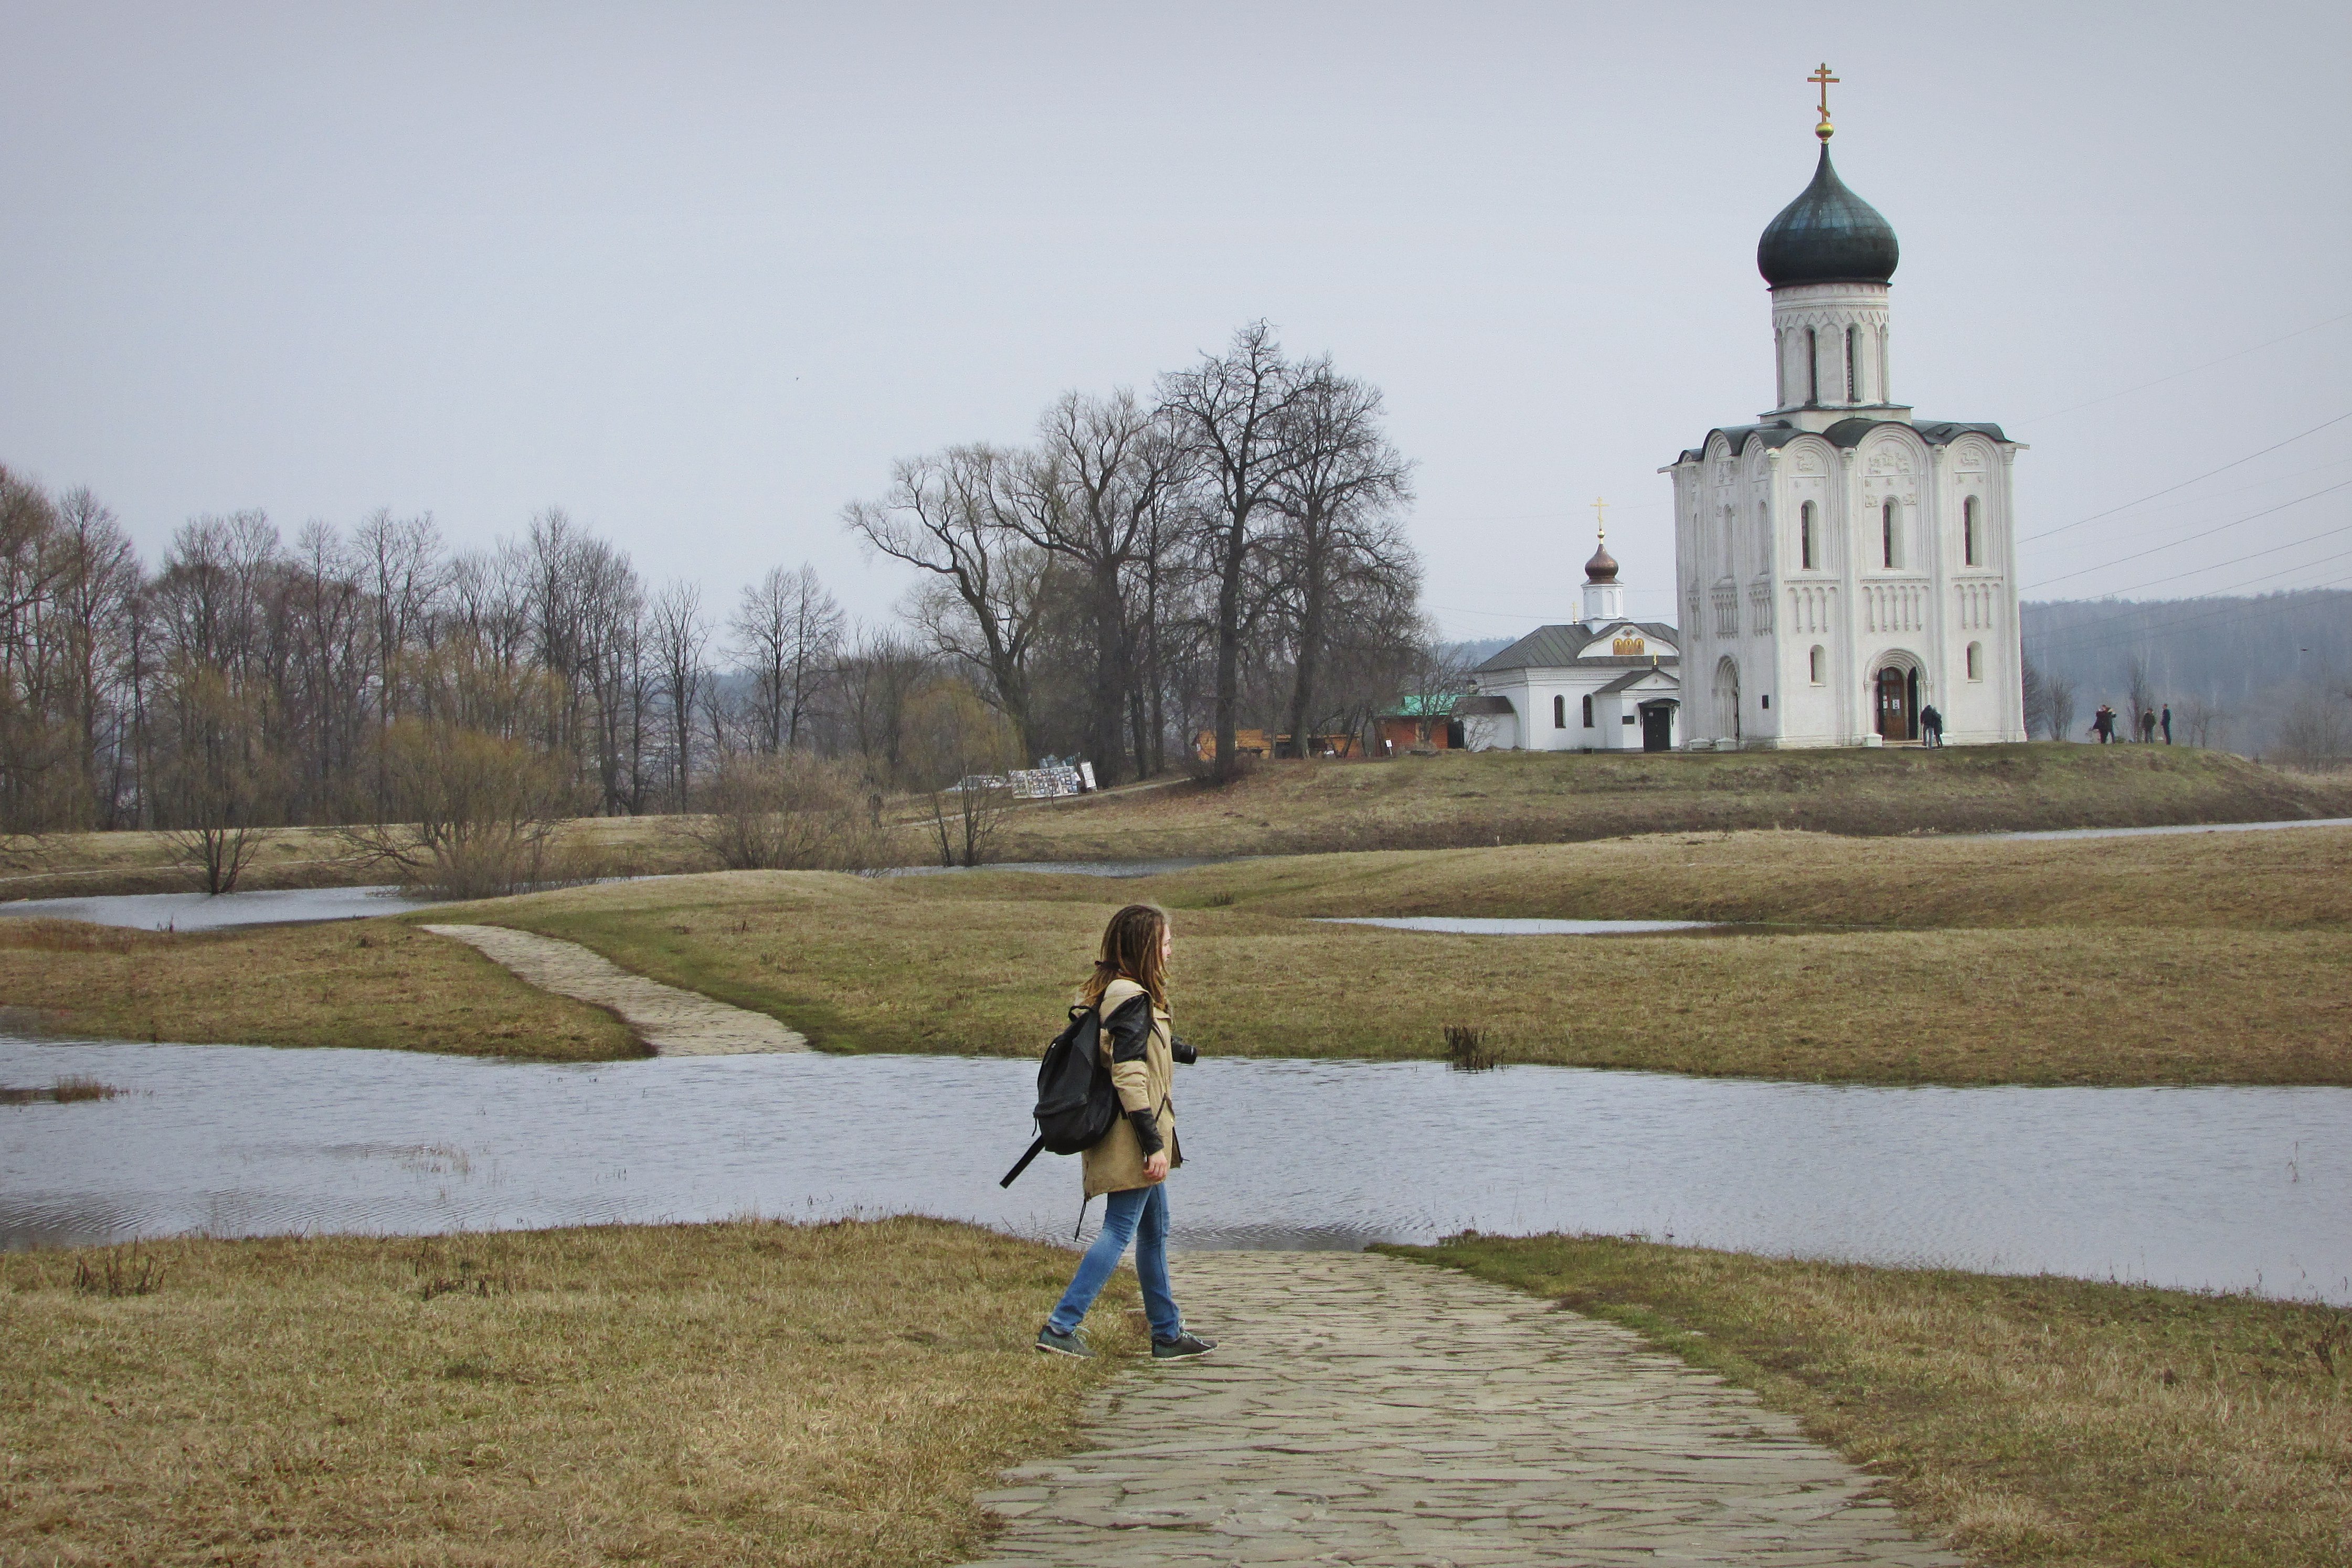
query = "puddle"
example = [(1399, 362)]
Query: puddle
[(2165, 832), (2215, 1188), (1451, 925), (210, 912)]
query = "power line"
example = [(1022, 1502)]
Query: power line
[(2192, 538), (2099, 636), (2192, 370), (2186, 483), (2274, 549)]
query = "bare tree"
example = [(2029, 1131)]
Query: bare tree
[(2141, 689), (1232, 412), (949, 516), (1337, 499), (2058, 701), (787, 633), (879, 678), (681, 636), (1092, 494)]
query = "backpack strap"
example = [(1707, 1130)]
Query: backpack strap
[(1022, 1164)]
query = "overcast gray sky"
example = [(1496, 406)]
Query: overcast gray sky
[(697, 272)]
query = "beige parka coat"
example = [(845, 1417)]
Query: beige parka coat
[(1116, 1164)]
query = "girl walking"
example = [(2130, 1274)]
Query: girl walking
[(1129, 990)]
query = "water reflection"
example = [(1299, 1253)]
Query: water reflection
[(212, 911), (2232, 1188)]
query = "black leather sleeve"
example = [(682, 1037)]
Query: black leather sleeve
[(1146, 1131), (1130, 1029), (1182, 1050)]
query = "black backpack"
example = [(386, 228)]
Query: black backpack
[(1077, 1103)]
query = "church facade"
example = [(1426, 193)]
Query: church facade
[(1840, 566)]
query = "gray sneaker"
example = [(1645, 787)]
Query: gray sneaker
[(1183, 1347), (1054, 1343)]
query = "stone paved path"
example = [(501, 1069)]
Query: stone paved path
[(1366, 1411), (674, 1023)]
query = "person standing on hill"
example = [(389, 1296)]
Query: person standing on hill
[(2147, 726), (2103, 724), (2168, 724), (1931, 725), (1129, 991)]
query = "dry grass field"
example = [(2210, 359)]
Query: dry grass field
[(1443, 802), (2194, 959), (368, 982), (2049, 1422), (1529, 797), (816, 1397)]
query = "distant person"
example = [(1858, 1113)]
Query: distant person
[(1931, 725), (1129, 989), (2147, 726), (2168, 724), (2103, 724)]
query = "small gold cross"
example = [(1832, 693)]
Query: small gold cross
[(1600, 516), (1823, 78)]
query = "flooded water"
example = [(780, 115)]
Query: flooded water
[(210, 912), (1460, 925), (2166, 832), (2226, 1188)]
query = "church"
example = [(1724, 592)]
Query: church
[(1840, 566), (1602, 683)]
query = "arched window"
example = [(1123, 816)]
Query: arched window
[(1813, 365), (1976, 662), (1887, 533), (1852, 364), (1817, 664), (1968, 530), (1587, 711), (1560, 712), (1805, 536)]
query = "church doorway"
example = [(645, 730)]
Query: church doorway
[(1898, 703), (1726, 703), (1657, 726)]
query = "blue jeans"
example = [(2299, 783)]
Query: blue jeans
[(1138, 1215)]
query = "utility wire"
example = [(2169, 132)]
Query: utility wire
[(2184, 484), (2192, 538), (2192, 370), (2092, 637)]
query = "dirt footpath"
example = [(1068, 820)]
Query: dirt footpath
[(674, 1023), (1366, 1411)]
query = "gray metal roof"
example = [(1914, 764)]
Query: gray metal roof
[(1633, 677), (1553, 648), (1471, 706), (1844, 433)]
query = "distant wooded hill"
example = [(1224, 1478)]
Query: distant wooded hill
[(2266, 674)]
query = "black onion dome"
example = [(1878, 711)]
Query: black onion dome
[(1603, 567), (1828, 235)]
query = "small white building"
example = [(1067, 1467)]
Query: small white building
[(1842, 564), (1601, 684)]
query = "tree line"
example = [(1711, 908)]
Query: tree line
[(1226, 553)]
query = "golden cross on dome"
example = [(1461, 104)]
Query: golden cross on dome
[(1600, 516), (1823, 78)]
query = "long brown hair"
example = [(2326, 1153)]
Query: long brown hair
[(1130, 947)]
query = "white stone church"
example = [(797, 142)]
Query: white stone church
[(1840, 565)]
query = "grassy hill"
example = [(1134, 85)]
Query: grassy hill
[(1414, 803), (1524, 797)]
